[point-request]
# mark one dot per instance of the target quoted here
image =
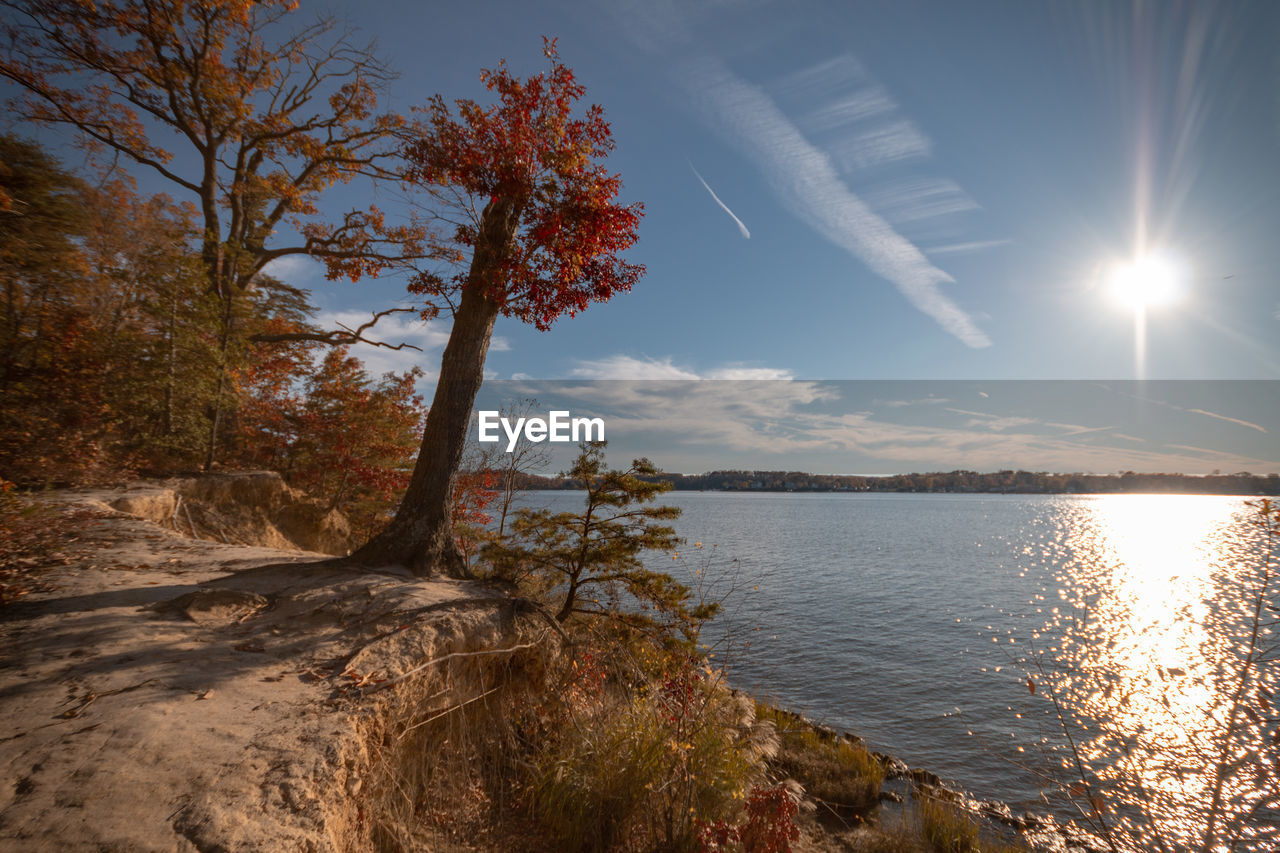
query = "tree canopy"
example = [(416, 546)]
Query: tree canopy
[(252, 126)]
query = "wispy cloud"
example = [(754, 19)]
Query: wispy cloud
[(749, 373), (805, 425), (917, 198), (1202, 412), (804, 177), (823, 78), (923, 401), (886, 143), (810, 185), (628, 367), (742, 228), (1221, 458), (961, 248), (1228, 420), (866, 103), (996, 423)]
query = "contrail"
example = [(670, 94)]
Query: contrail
[(745, 233)]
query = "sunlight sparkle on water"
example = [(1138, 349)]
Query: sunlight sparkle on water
[(1149, 644)]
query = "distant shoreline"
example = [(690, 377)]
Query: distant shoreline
[(1242, 484)]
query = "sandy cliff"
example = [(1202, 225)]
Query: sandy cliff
[(169, 693)]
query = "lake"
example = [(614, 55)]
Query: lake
[(902, 617)]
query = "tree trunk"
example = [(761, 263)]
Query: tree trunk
[(215, 419), (420, 536), (171, 365)]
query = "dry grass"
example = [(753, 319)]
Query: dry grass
[(643, 768), (946, 827), (835, 771), (442, 764), (547, 752)]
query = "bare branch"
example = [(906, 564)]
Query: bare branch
[(342, 336)]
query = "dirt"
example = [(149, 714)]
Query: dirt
[(240, 508), (175, 694)]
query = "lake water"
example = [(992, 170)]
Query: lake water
[(901, 617)]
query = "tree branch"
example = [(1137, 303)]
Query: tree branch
[(343, 336)]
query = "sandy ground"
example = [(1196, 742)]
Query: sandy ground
[(224, 720)]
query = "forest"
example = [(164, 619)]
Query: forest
[(116, 359)]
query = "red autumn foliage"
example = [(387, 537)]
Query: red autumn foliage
[(472, 493), (528, 149), (770, 826), (338, 435)]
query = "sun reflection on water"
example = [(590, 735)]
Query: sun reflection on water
[(1149, 659)]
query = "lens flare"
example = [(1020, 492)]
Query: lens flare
[(1149, 281)]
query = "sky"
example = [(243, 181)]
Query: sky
[(904, 190), (896, 190)]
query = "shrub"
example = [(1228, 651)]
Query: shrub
[(589, 564), (650, 768)]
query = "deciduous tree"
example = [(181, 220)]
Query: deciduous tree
[(537, 233), (104, 344), (253, 127)]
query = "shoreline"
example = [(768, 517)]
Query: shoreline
[(1041, 832)]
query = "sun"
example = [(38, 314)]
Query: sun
[(1148, 281)]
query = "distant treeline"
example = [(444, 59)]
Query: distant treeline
[(999, 482)]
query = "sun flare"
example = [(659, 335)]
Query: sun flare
[(1148, 281)]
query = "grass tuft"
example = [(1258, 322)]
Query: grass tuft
[(839, 773)]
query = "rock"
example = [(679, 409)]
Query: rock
[(312, 527), (894, 768), (890, 797), (995, 809), (216, 606), (242, 507), (925, 778)]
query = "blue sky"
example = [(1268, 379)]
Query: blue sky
[(931, 190)]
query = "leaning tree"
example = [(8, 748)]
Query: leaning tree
[(250, 123), (533, 232)]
